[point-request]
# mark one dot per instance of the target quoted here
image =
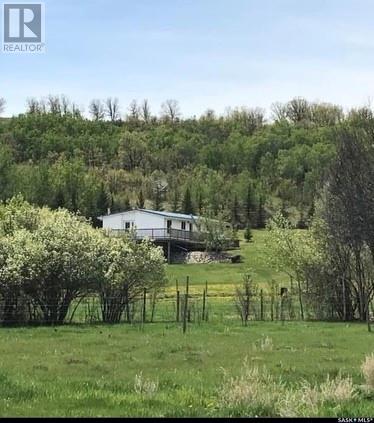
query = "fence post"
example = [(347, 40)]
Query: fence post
[(300, 299), (154, 298), (368, 313), (261, 305), (344, 300), (178, 306), (128, 312), (272, 305), (178, 301), (186, 305), (282, 308), (204, 299), (247, 304), (144, 305)]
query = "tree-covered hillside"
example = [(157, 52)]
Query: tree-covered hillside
[(239, 166)]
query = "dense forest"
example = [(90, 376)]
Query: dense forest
[(242, 166)]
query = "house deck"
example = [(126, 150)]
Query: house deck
[(163, 234), (170, 238)]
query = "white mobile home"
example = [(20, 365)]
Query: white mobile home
[(170, 230), (142, 219)]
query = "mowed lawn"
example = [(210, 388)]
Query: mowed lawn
[(223, 277), (91, 370)]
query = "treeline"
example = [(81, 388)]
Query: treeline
[(241, 166)]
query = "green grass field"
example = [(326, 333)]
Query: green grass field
[(223, 277), (156, 370), (91, 370)]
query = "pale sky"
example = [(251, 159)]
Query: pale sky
[(204, 53)]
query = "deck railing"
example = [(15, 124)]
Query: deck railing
[(163, 234), (171, 234)]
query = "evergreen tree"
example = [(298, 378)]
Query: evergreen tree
[(301, 224), (157, 197), (249, 204), (141, 200), (248, 233), (102, 202), (261, 213), (187, 206), (74, 199), (175, 200), (311, 211), (126, 204), (59, 199), (235, 214), (200, 203), (114, 205)]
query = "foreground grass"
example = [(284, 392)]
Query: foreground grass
[(91, 370)]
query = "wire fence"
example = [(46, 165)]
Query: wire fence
[(182, 307)]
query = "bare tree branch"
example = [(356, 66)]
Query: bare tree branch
[(54, 104), (145, 111), (96, 110), (170, 110), (112, 108), (65, 104), (33, 105), (133, 111)]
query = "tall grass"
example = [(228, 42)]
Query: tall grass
[(257, 392), (367, 368), (144, 386)]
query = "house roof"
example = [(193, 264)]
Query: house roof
[(170, 215)]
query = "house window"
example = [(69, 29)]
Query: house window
[(127, 225), (191, 227), (183, 226), (168, 223)]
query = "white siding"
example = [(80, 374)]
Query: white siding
[(177, 224), (112, 222), (143, 220)]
